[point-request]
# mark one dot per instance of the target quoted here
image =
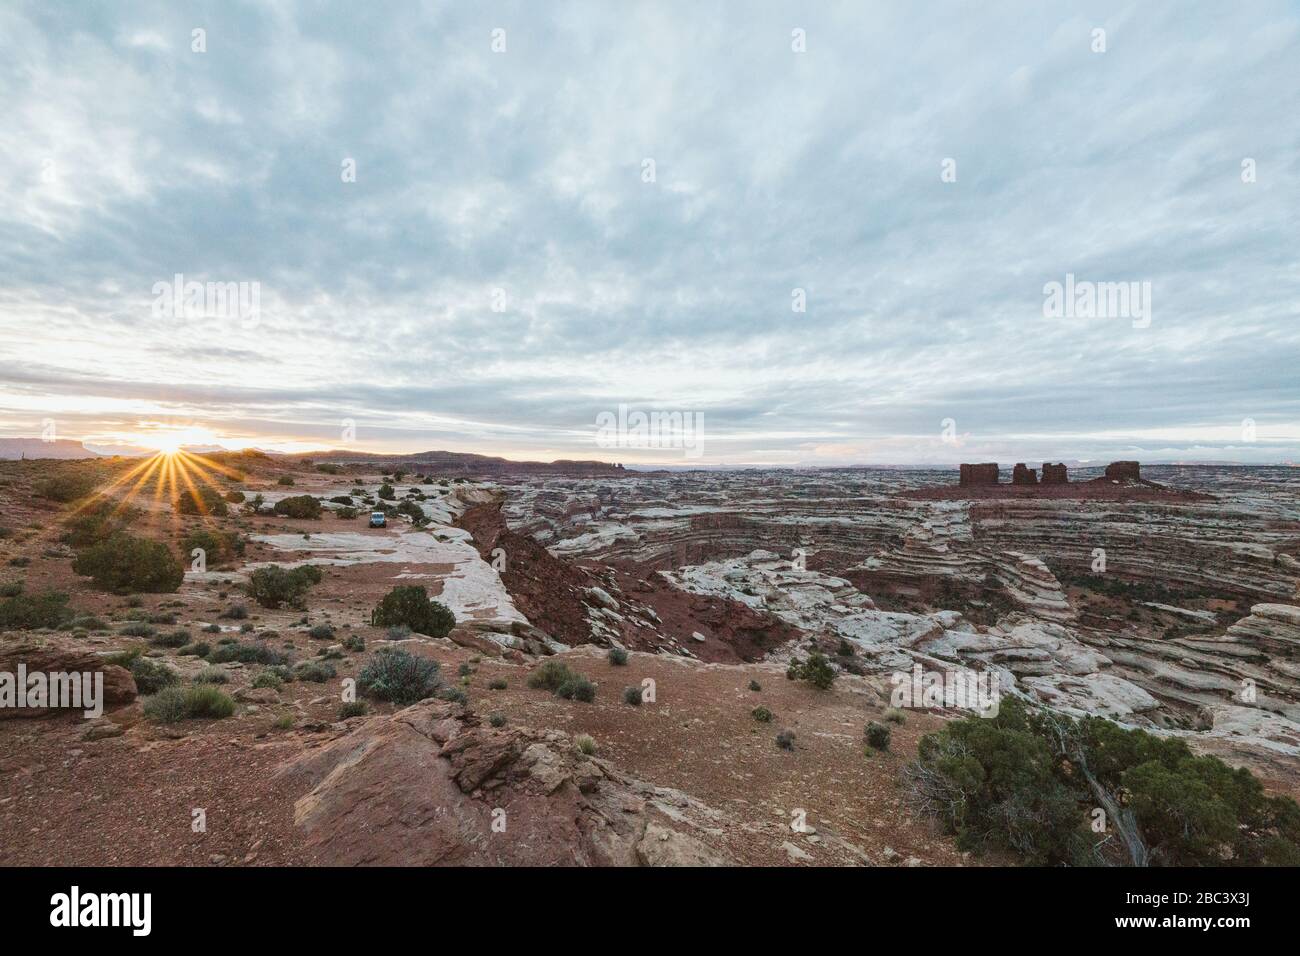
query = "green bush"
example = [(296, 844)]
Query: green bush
[(124, 564), (247, 654), (1028, 779), (219, 547), (354, 708), (386, 492), (577, 687), (200, 649), (273, 586), (877, 736), (201, 500), (314, 672), (321, 632), (396, 675), (497, 683), (96, 522), (497, 720), (410, 605), (354, 643), (174, 639), (268, 678), (211, 675), (816, 670), (151, 676), (632, 695), (66, 486), (755, 685), (235, 497), (549, 676), (298, 506), (21, 612), (585, 743), (785, 740), (617, 656), (761, 714), (181, 703), (285, 480)]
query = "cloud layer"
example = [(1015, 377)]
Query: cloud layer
[(501, 271)]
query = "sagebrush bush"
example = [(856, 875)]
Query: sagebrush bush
[(816, 670), (66, 486), (585, 743), (314, 672), (211, 675), (617, 656), (354, 708), (632, 695), (398, 676), (497, 683), (274, 586), (201, 500), (269, 679), (321, 632), (22, 612), (298, 506), (151, 676), (124, 564), (256, 653), (761, 714), (173, 639), (877, 735), (219, 547), (785, 740), (409, 605)]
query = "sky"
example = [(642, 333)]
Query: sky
[(823, 234)]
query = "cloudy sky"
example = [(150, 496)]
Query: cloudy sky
[(562, 208)]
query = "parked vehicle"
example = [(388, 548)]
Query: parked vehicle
[(378, 519)]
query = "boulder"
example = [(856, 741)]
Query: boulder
[(54, 657), (1020, 475), (982, 474), (431, 785)]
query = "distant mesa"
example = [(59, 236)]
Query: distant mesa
[(1124, 471), (1020, 475), (983, 474), (1054, 474)]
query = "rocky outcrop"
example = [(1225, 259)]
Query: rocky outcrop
[(58, 657), (1124, 471), (1021, 475), (431, 786), (1054, 474), (982, 474)]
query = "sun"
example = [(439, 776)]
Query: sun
[(169, 441)]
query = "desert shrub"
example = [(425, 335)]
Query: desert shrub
[(577, 687), (785, 740), (235, 497), (755, 685), (399, 633), (247, 654), (298, 506), (354, 643), (895, 716), (269, 679), (328, 468), (321, 632), (284, 722), (68, 485), (761, 714), (95, 522), (465, 669), (816, 670), (386, 492), (314, 672), (1026, 779), (151, 676), (11, 589), (353, 708), (414, 512), (201, 500), (137, 629), (453, 694), (273, 586), (585, 743), (89, 622), (166, 706), (211, 629), (877, 735), (285, 480), (125, 563), (220, 547), (410, 605), (162, 617), (199, 649), (398, 676), (497, 720), (617, 656), (236, 612), (549, 676), (341, 500), (174, 639), (206, 700), (21, 612), (632, 695), (211, 675), (346, 513), (497, 683)]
